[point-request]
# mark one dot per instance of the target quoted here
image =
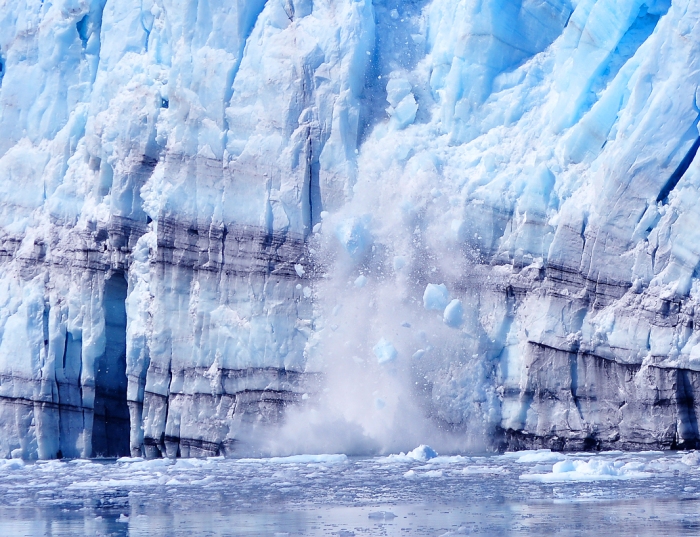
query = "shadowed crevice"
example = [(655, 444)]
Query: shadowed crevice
[(678, 174), (110, 433)]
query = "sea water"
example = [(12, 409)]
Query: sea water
[(419, 493)]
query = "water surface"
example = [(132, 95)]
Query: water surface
[(529, 493)]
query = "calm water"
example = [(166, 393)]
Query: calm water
[(531, 493)]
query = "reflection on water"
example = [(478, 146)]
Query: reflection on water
[(446, 496), (627, 518)]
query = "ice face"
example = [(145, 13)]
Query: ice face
[(281, 185)]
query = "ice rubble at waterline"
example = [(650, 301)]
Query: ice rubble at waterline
[(364, 224), (283, 474)]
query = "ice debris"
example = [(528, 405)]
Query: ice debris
[(591, 470), (453, 314), (422, 453), (435, 297), (384, 351), (381, 515), (360, 281)]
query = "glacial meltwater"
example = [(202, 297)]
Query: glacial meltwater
[(419, 493)]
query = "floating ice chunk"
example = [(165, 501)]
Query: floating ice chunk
[(381, 515), (484, 470), (384, 351), (518, 454), (462, 530), (453, 314), (691, 459), (379, 404), (399, 263), (433, 473), (435, 297), (542, 455), (396, 90), (564, 466), (153, 463), (299, 270), (109, 483), (196, 463), (361, 281), (11, 464), (591, 470), (302, 459), (422, 453), (307, 292), (418, 354)]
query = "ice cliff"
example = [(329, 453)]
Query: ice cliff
[(354, 221)]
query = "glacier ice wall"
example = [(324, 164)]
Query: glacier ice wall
[(470, 220)]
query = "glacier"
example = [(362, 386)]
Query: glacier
[(351, 226)]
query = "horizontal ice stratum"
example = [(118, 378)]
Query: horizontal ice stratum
[(284, 226)]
